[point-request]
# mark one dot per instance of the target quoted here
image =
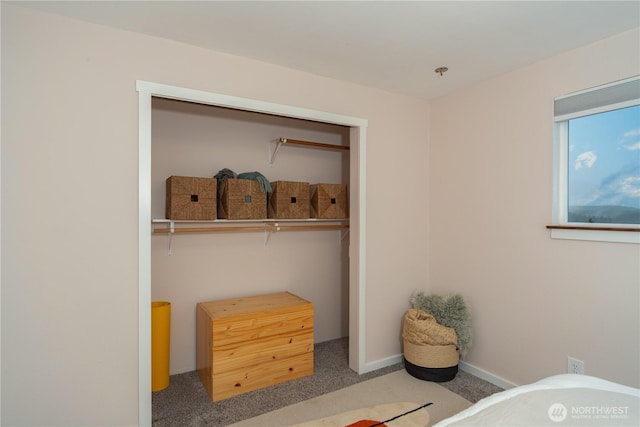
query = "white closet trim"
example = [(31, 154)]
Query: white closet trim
[(357, 234)]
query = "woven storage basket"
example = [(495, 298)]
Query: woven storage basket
[(190, 198), (289, 199), (241, 199), (430, 350), (329, 201)]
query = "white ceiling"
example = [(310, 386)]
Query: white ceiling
[(391, 45)]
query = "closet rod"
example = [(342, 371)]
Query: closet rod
[(313, 144), (250, 228)]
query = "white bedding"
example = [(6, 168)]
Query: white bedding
[(560, 400)]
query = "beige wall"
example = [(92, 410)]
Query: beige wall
[(69, 204), (535, 300)]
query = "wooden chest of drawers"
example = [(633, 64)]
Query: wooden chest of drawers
[(244, 344)]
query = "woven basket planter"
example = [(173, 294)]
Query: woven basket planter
[(430, 350)]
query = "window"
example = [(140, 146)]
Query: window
[(597, 163)]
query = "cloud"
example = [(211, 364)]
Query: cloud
[(621, 188), (630, 140), (630, 187), (632, 133), (633, 147), (586, 159), (627, 171)]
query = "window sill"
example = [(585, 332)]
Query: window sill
[(596, 233)]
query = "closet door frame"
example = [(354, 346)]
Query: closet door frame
[(357, 207)]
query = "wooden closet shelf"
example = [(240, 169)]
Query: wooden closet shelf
[(282, 141), (266, 227), (314, 144)]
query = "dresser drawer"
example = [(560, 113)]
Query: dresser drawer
[(244, 344)]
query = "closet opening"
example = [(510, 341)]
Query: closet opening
[(185, 132)]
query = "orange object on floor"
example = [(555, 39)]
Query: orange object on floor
[(160, 344), (366, 423)]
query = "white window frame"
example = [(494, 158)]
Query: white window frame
[(584, 103)]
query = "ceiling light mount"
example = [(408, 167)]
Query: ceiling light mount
[(441, 70)]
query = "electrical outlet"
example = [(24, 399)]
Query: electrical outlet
[(575, 366)]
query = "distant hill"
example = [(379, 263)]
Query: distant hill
[(604, 214)]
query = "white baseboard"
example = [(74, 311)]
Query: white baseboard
[(382, 363), (484, 375), (463, 366)]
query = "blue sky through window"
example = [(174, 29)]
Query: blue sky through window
[(604, 167)]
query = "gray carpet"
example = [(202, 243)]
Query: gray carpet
[(186, 403)]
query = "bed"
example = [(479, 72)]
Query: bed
[(560, 400)]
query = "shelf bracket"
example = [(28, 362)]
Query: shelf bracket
[(272, 155), (268, 231), (172, 231)]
